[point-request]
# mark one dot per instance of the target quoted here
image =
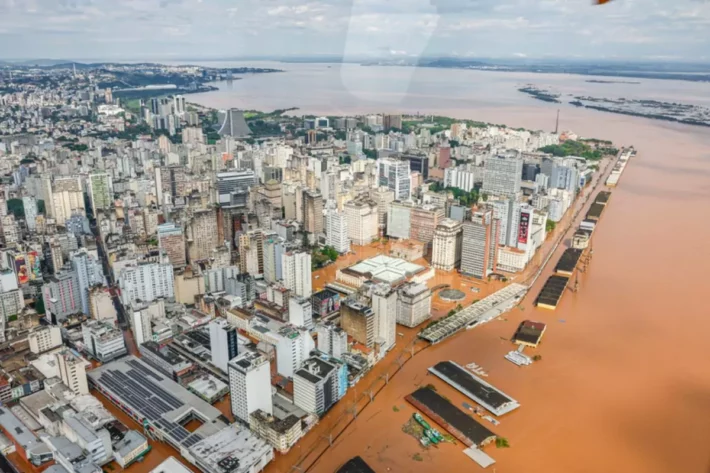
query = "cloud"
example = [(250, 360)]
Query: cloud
[(149, 28)]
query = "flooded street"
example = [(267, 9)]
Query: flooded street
[(623, 384)]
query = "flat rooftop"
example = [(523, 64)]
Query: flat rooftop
[(383, 268), (602, 197), (595, 211), (233, 449), (552, 291), (529, 332), (453, 419), (474, 387), (162, 402), (355, 465), (568, 261)]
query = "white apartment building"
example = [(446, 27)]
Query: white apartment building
[(146, 282), (223, 343), (103, 341), (395, 174), (332, 339), (337, 231), (384, 305), (249, 385), (462, 177), (296, 267), (44, 338), (413, 304), (294, 346), (300, 312), (362, 221), (72, 370)]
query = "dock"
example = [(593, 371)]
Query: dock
[(568, 261), (455, 421), (486, 395)]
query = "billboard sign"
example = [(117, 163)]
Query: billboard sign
[(23, 275), (34, 265), (523, 228)]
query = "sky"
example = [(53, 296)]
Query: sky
[(211, 29)]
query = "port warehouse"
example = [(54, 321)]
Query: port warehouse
[(602, 197), (475, 388), (568, 261), (529, 333), (551, 292), (459, 424), (595, 211), (355, 465), (477, 313)]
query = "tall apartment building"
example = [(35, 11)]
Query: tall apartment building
[(300, 312), (62, 295), (446, 248), (72, 371), (146, 282), (294, 346), (297, 270), (382, 197), (337, 231), (413, 304), (359, 321), (44, 338), (89, 272), (318, 385), (424, 220), (203, 235), (330, 184), (171, 238), (68, 198), (223, 343), (463, 177), (399, 219), (100, 191), (503, 175), (30, 206), (249, 385), (395, 175), (10, 230), (312, 212), (479, 247), (332, 339), (384, 306), (251, 253), (362, 218), (274, 249), (103, 341)]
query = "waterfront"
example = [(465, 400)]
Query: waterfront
[(620, 387)]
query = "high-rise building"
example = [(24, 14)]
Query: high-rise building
[(395, 175), (100, 191), (330, 184), (479, 247), (251, 253), (223, 343), (179, 105), (423, 223), (72, 371), (68, 198), (233, 187), (358, 320), (294, 346), (384, 306), (332, 339), (172, 239), (462, 177), (204, 236), (30, 206), (413, 304), (103, 341), (503, 175), (44, 337), (392, 121), (382, 196), (249, 385), (362, 221), (62, 295), (300, 312), (89, 272), (318, 385), (232, 123), (337, 231), (146, 282), (312, 212), (399, 219), (141, 325), (418, 163), (10, 230), (273, 251), (446, 248), (297, 273)]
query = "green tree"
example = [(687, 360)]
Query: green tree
[(550, 225)]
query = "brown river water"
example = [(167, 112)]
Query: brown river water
[(623, 384)]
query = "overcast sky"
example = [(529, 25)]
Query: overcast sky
[(155, 29)]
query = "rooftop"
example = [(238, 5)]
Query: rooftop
[(383, 268), (233, 449)]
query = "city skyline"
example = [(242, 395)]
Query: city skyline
[(210, 29)]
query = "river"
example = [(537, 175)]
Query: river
[(623, 384)]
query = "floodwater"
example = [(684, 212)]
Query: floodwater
[(623, 384)]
